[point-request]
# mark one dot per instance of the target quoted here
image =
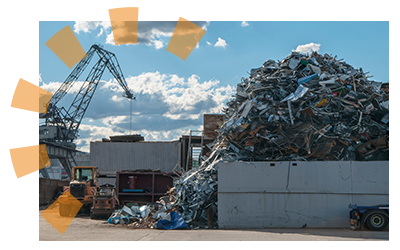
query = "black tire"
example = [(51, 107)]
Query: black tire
[(377, 221), (92, 216)]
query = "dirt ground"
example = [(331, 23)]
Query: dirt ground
[(83, 228)]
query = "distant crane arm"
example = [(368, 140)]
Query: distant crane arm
[(115, 70)]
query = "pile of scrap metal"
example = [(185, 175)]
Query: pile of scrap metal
[(308, 107), (196, 191), (191, 203), (159, 215), (304, 108)]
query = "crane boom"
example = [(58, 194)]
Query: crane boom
[(65, 123)]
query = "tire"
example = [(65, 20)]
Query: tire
[(92, 216), (377, 221)]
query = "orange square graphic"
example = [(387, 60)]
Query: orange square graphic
[(185, 38), (66, 46), (124, 24), (62, 211), (30, 97)]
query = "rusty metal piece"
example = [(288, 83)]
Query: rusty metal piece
[(350, 103), (326, 150), (254, 132), (308, 138), (343, 142), (290, 149), (313, 153), (355, 139), (373, 145), (307, 111)]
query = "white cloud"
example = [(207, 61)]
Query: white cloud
[(101, 32), (181, 116), (166, 106), (110, 39), (117, 98), (220, 43), (149, 33), (308, 48), (244, 24), (53, 86), (87, 26), (84, 26), (203, 25), (179, 94), (114, 120), (158, 44)]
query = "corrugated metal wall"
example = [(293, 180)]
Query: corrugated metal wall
[(292, 194), (111, 157)]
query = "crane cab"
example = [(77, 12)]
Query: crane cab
[(56, 133)]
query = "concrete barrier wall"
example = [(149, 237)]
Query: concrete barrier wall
[(292, 194), (48, 188)]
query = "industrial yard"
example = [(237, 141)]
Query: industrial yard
[(303, 144), (83, 228)]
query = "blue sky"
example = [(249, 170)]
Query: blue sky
[(172, 94)]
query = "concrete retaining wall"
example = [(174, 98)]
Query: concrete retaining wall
[(292, 194), (48, 188)]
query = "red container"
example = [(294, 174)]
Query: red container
[(132, 182), (154, 184)]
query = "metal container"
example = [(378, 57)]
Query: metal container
[(142, 186), (132, 182), (110, 157)]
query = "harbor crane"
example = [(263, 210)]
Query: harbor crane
[(60, 127)]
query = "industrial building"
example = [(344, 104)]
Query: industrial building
[(130, 153)]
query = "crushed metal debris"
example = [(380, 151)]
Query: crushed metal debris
[(309, 107)]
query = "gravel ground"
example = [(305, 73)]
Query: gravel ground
[(83, 228)]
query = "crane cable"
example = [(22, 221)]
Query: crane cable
[(130, 119)]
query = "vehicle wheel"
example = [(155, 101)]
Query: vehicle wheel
[(92, 216), (377, 221)]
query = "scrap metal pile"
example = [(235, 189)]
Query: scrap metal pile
[(304, 108), (191, 203), (308, 107)]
